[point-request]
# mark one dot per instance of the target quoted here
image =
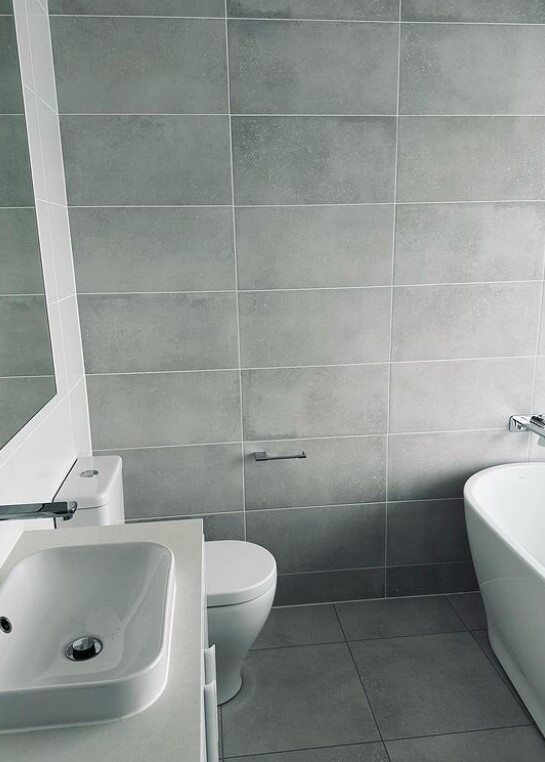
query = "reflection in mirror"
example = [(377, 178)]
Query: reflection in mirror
[(27, 379)]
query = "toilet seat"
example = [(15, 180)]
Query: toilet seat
[(237, 571)]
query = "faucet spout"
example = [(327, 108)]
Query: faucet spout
[(533, 423), (61, 510)]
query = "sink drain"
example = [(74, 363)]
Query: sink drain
[(83, 648)]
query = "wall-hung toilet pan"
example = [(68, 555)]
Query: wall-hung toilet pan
[(240, 588)]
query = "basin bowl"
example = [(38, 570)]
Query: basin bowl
[(121, 594)]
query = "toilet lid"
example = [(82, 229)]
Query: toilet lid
[(237, 571)]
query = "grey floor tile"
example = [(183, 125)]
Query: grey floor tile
[(476, 158), (502, 745), (472, 69), (315, 247), (146, 160), (362, 10), (430, 579), (139, 7), (369, 752), (323, 327), (322, 587), (156, 249), (11, 93), (470, 607), (325, 537), (310, 159), (296, 698), (523, 11), (314, 402), (129, 333), (432, 684), (335, 68), (363, 620), (140, 65), (300, 626)]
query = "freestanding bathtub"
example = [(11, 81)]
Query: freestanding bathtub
[(505, 515)]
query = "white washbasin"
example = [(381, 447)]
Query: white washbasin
[(122, 594)]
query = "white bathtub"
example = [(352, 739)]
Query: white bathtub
[(505, 515)]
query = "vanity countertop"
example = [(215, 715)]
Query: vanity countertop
[(169, 730)]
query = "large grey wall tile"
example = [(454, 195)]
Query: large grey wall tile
[(456, 243), (313, 402), (313, 159), (6, 7), (475, 158), (335, 471), (499, 745), (314, 247), (522, 11), (320, 587), (141, 332), (423, 466), (472, 69), (117, 160), (11, 96), (484, 320), (15, 178), (138, 7), (539, 393), (157, 249), (20, 400), (297, 698), (466, 394), (363, 10), (20, 269), (155, 409), (323, 327), (140, 65), (221, 526), (24, 326), (313, 539), (174, 481), (430, 579), (312, 67), (427, 532)]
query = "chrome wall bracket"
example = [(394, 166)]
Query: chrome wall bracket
[(261, 456)]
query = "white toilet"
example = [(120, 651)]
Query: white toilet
[(240, 576), (240, 588)]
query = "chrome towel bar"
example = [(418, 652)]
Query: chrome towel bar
[(261, 456)]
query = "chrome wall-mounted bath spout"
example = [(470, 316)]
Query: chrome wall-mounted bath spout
[(59, 510), (533, 423)]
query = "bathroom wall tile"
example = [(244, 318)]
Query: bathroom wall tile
[(308, 402), (50, 141), (427, 532), (314, 247), (472, 69), (20, 271), (190, 332), (436, 465), (11, 100), (176, 481), (6, 7), (68, 310), (332, 68), (46, 250), (523, 11), (430, 579), (15, 179), (466, 394), (336, 471), (34, 148), (155, 409), (24, 325), (484, 320), (323, 587), (324, 538), (223, 526), (307, 159), (363, 10), (454, 243), (42, 57), (156, 249), (138, 7), (20, 400), (117, 160), (323, 327), (61, 243), (140, 65), (539, 393), (475, 158), (81, 426)]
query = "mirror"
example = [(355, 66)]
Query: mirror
[(27, 377)]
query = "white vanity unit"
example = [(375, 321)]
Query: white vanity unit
[(147, 602)]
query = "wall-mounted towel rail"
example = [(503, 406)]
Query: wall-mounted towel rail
[(260, 456)]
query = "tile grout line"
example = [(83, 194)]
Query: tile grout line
[(236, 284), (416, 202)]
